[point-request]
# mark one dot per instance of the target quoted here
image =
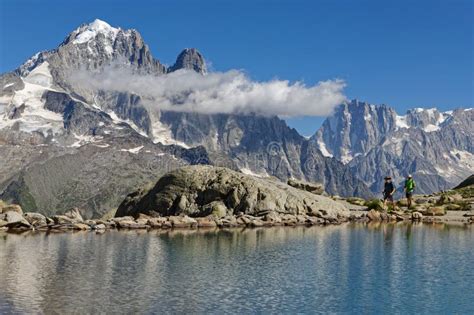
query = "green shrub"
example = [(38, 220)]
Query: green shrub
[(356, 201), (443, 199), (467, 192), (463, 205), (374, 204)]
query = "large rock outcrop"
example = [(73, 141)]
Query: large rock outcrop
[(205, 190)]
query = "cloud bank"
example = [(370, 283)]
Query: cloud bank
[(218, 92)]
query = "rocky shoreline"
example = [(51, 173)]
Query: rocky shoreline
[(196, 197), (15, 221)]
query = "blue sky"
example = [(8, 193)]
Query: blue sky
[(402, 53)]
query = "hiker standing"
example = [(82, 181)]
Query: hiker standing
[(409, 188), (388, 191)]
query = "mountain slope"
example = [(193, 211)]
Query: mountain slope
[(263, 146), (465, 183), (374, 141), (68, 144)]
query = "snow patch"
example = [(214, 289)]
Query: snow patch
[(431, 112), (441, 119), (133, 150), (401, 122), (323, 149), (431, 128), (346, 156), (34, 116), (105, 145), (248, 171), (8, 85), (162, 134), (464, 158), (83, 140), (215, 140), (117, 120), (90, 31), (40, 76)]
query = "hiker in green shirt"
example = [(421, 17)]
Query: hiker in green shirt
[(409, 188)]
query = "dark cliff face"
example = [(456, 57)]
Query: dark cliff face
[(264, 146), (355, 128)]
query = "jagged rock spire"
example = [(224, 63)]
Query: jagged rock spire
[(190, 58)]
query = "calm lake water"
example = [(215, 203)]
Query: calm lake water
[(350, 268)]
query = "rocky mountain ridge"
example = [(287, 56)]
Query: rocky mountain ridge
[(374, 141), (67, 144), (58, 134)]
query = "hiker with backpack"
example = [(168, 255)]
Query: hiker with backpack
[(388, 191), (409, 189)]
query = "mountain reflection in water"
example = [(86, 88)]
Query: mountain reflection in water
[(349, 268)]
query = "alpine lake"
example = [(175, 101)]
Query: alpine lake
[(350, 268)]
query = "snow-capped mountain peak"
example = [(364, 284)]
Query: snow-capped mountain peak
[(41, 98), (87, 32)]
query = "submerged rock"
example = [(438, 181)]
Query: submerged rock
[(199, 191)]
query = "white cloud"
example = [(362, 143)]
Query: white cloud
[(219, 92)]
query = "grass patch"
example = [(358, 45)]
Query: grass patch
[(374, 204)]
